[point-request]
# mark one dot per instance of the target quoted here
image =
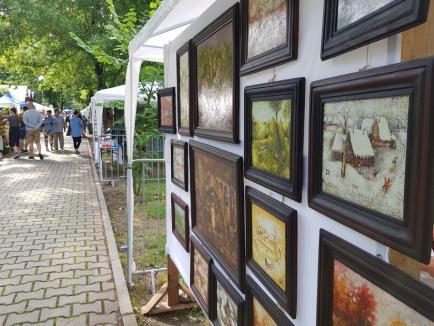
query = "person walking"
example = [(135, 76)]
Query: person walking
[(33, 120), (23, 142), (14, 131), (59, 128), (76, 125), (48, 129)]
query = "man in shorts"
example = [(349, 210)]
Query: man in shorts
[(48, 129), (33, 120)]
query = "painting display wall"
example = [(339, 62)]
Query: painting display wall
[(167, 110), (179, 163)]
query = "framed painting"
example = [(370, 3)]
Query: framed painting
[(180, 224), (179, 163), (216, 79), (167, 110), (217, 206), (271, 232), (371, 154), (273, 141), (261, 310), (350, 24), (185, 83), (201, 279), (356, 288), (229, 304), (269, 33)]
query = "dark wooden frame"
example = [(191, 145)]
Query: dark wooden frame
[(273, 57), (184, 239), (237, 163), (287, 298), (388, 278), (231, 292), (163, 93), (231, 16), (184, 147), (253, 290), (186, 48), (208, 309), (393, 18), (413, 236), (293, 89)]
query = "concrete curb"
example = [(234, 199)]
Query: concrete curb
[(125, 307)]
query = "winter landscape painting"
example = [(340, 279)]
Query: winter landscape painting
[(350, 11), (269, 244), (364, 152), (356, 301), (267, 25), (184, 90), (271, 133), (227, 309)]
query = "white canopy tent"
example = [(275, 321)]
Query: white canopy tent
[(170, 20)]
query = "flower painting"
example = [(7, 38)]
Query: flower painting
[(358, 302), (267, 25), (227, 309), (364, 152), (269, 244)]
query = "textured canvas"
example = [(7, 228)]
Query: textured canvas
[(227, 310), (184, 90), (215, 80), (268, 244), (217, 206), (178, 163), (179, 220), (356, 301), (201, 275), (261, 316), (364, 152), (271, 136), (166, 111), (350, 11), (267, 25)]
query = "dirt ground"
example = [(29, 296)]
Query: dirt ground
[(141, 292)]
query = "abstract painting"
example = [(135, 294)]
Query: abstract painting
[(179, 163), (364, 152), (185, 95), (217, 204), (217, 85), (180, 225), (166, 110)]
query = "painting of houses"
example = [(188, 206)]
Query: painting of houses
[(358, 149)]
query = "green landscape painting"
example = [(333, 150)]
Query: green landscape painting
[(180, 220), (271, 132)]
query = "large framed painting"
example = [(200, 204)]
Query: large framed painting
[(229, 304), (261, 310), (180, 224), (356, 288), (350, 24), (201, 277), (216, 52), (217, 206), (371, 154), (271, 233), (185, 83), (167, 110), (273, 142), (269, 33), (179, 163)]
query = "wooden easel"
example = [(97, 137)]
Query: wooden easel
[(172, 296)]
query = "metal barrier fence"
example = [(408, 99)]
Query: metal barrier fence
[(113, 159)]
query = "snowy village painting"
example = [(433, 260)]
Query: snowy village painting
[(364, 152), (350, 11)]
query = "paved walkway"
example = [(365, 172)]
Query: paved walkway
[(54, 264)]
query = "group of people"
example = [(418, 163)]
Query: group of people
[(25, 130)]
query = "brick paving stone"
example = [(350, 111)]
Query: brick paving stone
[(54, 263)]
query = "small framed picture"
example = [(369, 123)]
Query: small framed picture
[(167, 110), (180, 224), (274, 119), (356, 288), (179, 163), (272, 247), (269, 33), (185, 81), (230, 306), (350, 24), (372, 153), (261, 310), (201, 279)]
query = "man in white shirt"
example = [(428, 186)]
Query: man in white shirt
[(33, 120)]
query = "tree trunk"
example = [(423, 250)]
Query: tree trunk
[(99, 71)]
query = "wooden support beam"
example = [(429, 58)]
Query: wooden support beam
[(173, 281)]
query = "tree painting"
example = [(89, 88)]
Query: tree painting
[(350, 11), (271, 137), (184, 89), (215, 80), (358, 302)]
